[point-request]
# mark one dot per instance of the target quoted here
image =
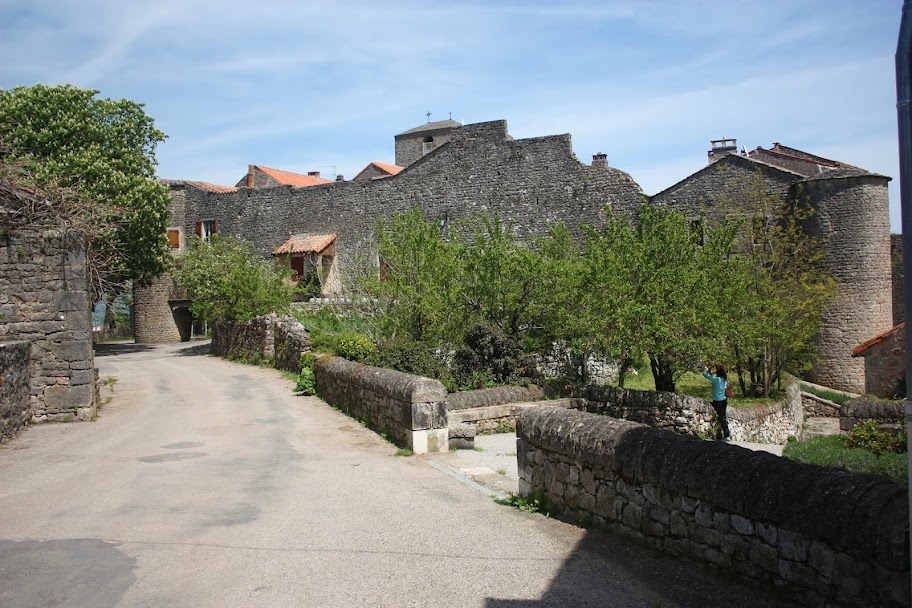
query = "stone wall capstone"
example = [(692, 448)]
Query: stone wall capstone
[(493, 396), (828, 537), (412, 409), (45, 300), (15, 386)]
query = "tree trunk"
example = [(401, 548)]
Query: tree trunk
[(661, 372), (622, 370)]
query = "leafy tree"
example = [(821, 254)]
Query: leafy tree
[(104, 151), (780, 289), (226, 280), (413, 292)]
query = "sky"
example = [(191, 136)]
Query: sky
[(325, 86)]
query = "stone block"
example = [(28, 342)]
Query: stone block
[(822, 558), (429, 441), (792, 546), (742, 525), (60, 398), (764, 556)]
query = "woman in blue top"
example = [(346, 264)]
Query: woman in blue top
[(720, 403)]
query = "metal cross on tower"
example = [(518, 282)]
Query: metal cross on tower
[(429, 116)]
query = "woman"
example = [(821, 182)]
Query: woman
[(720, 403)]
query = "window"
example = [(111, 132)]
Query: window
[(205, 229), (174, 239)]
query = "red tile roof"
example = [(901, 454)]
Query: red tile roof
[(292, 179), (864, 346), (391, 169), (305, 243)]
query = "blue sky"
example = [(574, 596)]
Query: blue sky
[(324, 86)]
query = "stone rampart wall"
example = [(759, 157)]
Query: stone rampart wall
[(45, 300), (280, 339), (829, 537), (409, 408), (15, 387), (767, 423)]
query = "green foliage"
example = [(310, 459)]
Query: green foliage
[(867, 436), (309, 286), (305, 382), (408, 356), (533, 503), (490, 353), (775, 292), (104, 151), (832, 451), (353, 346), (226, 281)]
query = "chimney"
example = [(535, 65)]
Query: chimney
[(250, 176), (340, 178), (314, 174), (599, 161), (721, 147)]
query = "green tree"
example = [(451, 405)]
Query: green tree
[(413, 292), (104, 151), (778, 289), (226, 280)]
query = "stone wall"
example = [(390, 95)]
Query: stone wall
[(685, 415), (15, 387), (45, 300), (897, 278), (861, 409), (826, 536), (280, 339), (411, 409), (819, 407), (885, 365), (498, 395)]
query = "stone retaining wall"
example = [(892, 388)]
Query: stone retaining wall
[(767, 423), (410, 408), (827, 536), (45, 300), (860, 410), (281, 339), (498, 395), (15, 380), (819, 407)]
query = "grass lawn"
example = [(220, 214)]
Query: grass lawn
[(830, 451), (695, 385)]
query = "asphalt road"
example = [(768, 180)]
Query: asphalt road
[(206, 483)]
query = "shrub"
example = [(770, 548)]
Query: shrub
[(353, 346), (867, 436), (406, 355), (489, 355), (306, 383)]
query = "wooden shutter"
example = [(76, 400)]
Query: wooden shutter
[(174, 240), (212, 227), (199, 229)]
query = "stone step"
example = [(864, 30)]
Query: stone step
[(818, 427)]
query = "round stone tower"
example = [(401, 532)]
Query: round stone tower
[(852, 221)]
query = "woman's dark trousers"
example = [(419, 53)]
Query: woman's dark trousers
[(720, 407)]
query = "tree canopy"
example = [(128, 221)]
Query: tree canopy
[(103, 151)]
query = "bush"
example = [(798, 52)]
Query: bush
[(489, 356), (306, 383), (353, 346), (867, 436), (410, 357), (832, 451)]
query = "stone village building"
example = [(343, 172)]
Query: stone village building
[(449, 171)]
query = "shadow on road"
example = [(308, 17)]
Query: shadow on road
[(609, 570), (110, 349), (194, 351)]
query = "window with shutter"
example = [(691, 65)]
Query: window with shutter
[(174, 241)]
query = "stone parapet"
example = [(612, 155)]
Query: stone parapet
[(860, 410), (412, 409), (828, 537), (281, 340)]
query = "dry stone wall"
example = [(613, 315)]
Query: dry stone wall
[(412, 409), (856, 411), (280, 339), (15, 386), (828, 537), (45, 300)]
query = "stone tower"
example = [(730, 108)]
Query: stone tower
[(415, 143)]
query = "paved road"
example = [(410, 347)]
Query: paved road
[(206, 483)]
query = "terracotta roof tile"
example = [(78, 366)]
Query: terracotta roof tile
[(288, 178), (305, 243), (864, 346), (391, 169)]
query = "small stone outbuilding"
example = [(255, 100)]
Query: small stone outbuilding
[(885, 362)]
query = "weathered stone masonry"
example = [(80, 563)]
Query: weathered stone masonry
[(15, 386), (829, 537), (45, 300)]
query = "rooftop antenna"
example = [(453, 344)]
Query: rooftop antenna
[(451, 116), (429, 116)]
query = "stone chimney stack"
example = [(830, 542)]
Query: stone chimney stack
[(721, 147), (313, 173), (250, 176), (600, 161), (340, 178)]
